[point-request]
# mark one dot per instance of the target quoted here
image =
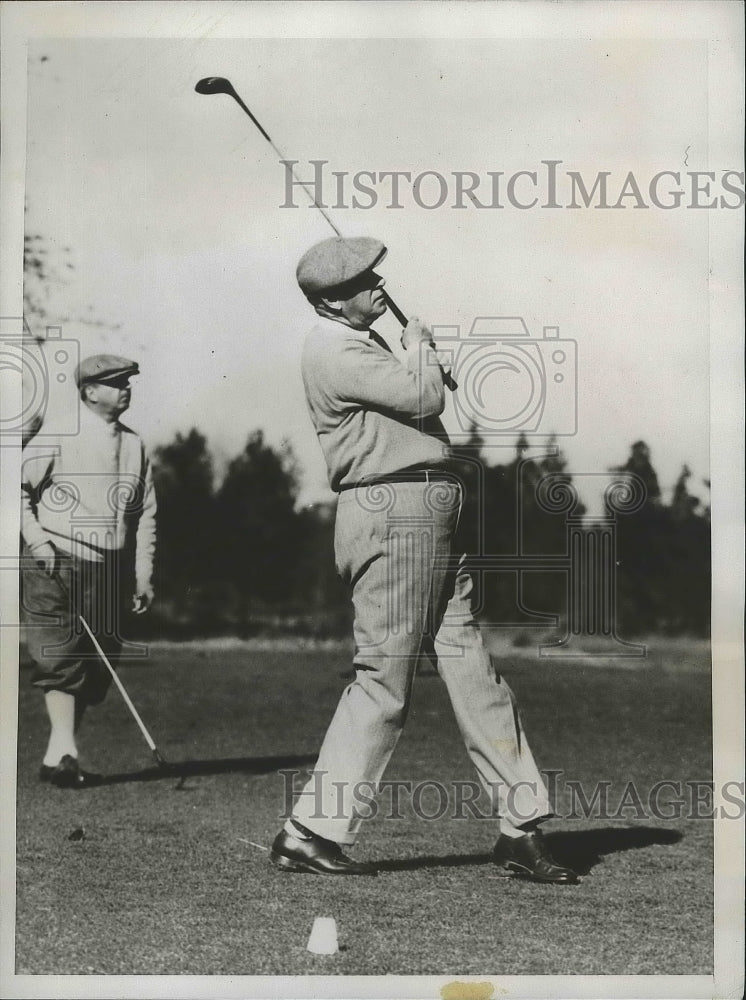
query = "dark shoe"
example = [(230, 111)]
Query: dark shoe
[(307, 852), (529, 857), (68, 774)]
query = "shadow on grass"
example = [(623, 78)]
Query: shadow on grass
[(580, 851), (584, 849), (199, 768)]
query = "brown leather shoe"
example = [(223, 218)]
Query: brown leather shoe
[(529, 857), (307, 852), (68, 774)]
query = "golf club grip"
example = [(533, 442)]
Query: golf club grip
[(448, 379)]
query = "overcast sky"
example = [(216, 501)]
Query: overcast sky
[(170, 204)]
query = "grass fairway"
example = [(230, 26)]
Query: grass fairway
[(165, 879)]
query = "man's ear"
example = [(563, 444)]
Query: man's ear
[(328, 307)]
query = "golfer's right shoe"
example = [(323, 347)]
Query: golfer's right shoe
[(528, 857), (68, 774), (307, 852)]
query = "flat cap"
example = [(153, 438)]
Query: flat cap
[(103, 367), (336, 261)]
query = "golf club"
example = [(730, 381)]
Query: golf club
[(127, 700), (219, 85)]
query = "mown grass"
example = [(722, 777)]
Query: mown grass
[(165, 878)]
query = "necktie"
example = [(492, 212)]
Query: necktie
[(378, 339)]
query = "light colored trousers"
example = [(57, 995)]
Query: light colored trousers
[(393, 546)]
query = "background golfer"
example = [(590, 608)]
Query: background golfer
[(387, 454), (88, 524)]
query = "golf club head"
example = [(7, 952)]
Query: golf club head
[(215, 85), (160, 761)]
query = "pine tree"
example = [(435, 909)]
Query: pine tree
[(257, 526), (186, 549)]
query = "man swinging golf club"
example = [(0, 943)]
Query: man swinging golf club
[(377, 421), (88, 524)]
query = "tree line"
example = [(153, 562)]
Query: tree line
[(242, 557)]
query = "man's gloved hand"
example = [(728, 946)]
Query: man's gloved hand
[(45, 557), (415, 332), (141, 602)]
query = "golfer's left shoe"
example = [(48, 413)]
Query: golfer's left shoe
[(528, 856), (68, 774)]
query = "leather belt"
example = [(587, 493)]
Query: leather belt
[(406, 476)]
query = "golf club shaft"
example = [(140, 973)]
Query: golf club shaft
[(122, 691), (231, 91), (286, 161)]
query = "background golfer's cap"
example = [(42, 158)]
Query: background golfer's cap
[(337, 261), (103, 367)]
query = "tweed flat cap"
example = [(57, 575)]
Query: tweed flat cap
[(336, 261), (103, 367)]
